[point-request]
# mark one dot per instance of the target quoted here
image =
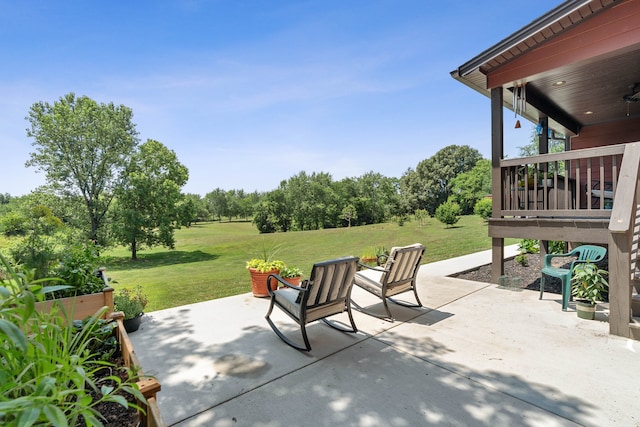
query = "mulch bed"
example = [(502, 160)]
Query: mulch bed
[(529, 274)]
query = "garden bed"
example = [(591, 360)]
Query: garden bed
[(527, 275), (148, 386)]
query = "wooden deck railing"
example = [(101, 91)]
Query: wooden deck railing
[(578, 183), (595, 183), (623, 244)]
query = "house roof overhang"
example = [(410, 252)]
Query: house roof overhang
[(591, 46)]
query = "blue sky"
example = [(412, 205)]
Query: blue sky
[(249, 93)]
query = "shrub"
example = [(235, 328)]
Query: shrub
[(35, 252), (556, 247), (484, 208), (79, 269), (522, 259), (530, 246), (448, 213), (13, 224)]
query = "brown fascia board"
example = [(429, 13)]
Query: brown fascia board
[(518, 37)]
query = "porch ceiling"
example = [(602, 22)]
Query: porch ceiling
[(597, 59)]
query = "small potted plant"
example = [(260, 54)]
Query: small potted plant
[(382, 254), (132, 304), (291, 275), (588, 285), (368, 255), (548, 178)]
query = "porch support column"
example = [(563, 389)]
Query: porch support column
[(497, 150), (543, 140), (543, 148)]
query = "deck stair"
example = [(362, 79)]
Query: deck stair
[(634, 324)]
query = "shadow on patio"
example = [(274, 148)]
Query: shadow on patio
[(475, 355)]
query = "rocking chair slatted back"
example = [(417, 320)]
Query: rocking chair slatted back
[(402, 265), (330, 281)]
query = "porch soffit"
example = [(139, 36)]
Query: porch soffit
[(601, 66), (556, 21)]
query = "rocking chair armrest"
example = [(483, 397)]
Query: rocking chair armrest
[(302, 288), (376, 268)]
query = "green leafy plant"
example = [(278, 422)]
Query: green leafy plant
[(588, 282), (264, 266), (369, 253), (49, 365), (522, 259), (448, 213), (265, 262), (556, 247), (530, 246), (289, 272), (483, 208), (79, 269), (130, 302)]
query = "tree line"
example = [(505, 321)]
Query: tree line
[(106, 187)]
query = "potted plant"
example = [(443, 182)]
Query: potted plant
[(369, 256), (548, 178), (132, 304), (291, 275), (260, 269), (588, 285), (382, 254)]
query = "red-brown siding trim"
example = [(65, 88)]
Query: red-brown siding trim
[(618, 28)]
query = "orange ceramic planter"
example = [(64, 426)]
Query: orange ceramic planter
[(295, 281), (259, 282)]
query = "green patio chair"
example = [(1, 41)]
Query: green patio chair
[(398, 275), (583, 253), (327, 292)]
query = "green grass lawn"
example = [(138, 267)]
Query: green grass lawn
[(209, 259)]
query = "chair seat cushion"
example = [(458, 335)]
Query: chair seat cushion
[(556, 271), (287, 299), (369, 280)]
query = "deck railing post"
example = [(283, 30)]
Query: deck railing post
[(621, 227)]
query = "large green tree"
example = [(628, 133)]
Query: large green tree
[(216, 203), (469, 187), (82, 147), (147, 207), (430, 184)]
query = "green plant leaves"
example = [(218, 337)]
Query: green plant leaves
[(14, 334)]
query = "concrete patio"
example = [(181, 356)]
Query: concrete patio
[(476, 355)]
